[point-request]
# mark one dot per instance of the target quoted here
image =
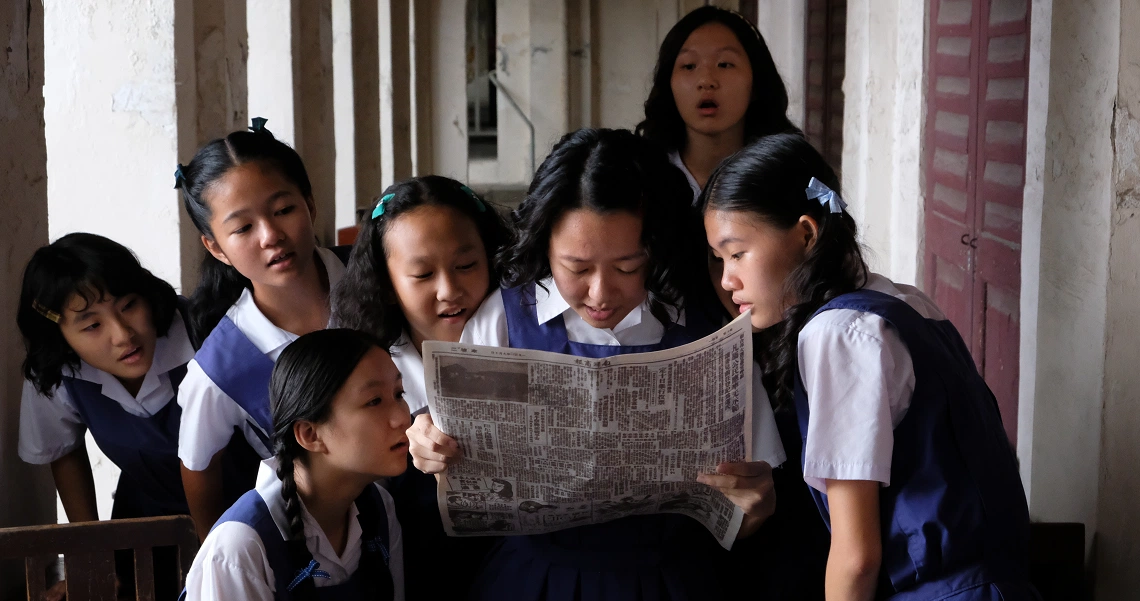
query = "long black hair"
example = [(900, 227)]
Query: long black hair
[(608, 170), (305, 380), (92, 267), (768, 178), (220, 285), (768, 107), (364, 299)]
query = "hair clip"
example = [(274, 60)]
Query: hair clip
[(381, 204), (478, 202), (258, 124), (179, 179), (827, 197), (42, 310)]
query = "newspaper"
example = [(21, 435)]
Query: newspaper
[(552, 441)]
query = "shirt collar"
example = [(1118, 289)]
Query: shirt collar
[(264, 334), (316, 540), (675, 158), (548, 304)]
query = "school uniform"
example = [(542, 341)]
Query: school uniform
[(138, 433), (638, 557), (246, 555), (675, 158), (887, 391), (226, 388), (414, 492), (788, 554)]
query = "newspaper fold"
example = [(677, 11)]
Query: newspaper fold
[(553, 441)]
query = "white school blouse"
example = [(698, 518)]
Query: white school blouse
[(232, 564), (411, 365), (488, 327), (51, 427), (859, 379), (209, 415), (675, 158)]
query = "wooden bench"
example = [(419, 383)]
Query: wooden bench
[(89, 553)]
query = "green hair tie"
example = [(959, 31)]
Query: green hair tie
[(380, 204), (478, 203)]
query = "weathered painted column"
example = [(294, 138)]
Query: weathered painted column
[(448, 97), (422, 115), (365, 97), (313, 114), (220, 52), (23, 188)]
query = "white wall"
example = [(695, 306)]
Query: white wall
[(111, 121), (884, 108), (784, 27), (448, 88)]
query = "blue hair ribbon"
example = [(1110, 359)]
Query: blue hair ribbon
[(258, 124), (827, 197), (310, 571), (380, 204), (478, 202), (376, 544), (179, 179)]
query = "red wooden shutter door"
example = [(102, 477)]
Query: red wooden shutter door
[(975, 166)]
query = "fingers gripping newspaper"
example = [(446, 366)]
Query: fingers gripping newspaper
[(552, 441)]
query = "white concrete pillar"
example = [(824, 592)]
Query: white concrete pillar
[(448, 96), (783, 25), (23, 186), (882, 132), (271, 64), (627, 39), (395, 89), (1065, 257), (344, 101)]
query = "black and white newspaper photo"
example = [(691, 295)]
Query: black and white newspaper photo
[(552, 441)]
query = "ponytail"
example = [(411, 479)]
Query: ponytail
[(769, 179), (219, 287)]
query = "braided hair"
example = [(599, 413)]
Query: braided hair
[(768, 178), (305, 380)]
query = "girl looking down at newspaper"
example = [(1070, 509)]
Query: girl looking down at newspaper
[(322, 529), (419, 269), (903, 443), (603, 259)]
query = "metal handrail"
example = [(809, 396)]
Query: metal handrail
[(498, 86)]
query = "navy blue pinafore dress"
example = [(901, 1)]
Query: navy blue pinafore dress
[(645, 557), (955, 524)]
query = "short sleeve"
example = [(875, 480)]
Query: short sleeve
[(232, 564), (488, 326), (859, 377), (209, 417), (50, 427), (766, 443)]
